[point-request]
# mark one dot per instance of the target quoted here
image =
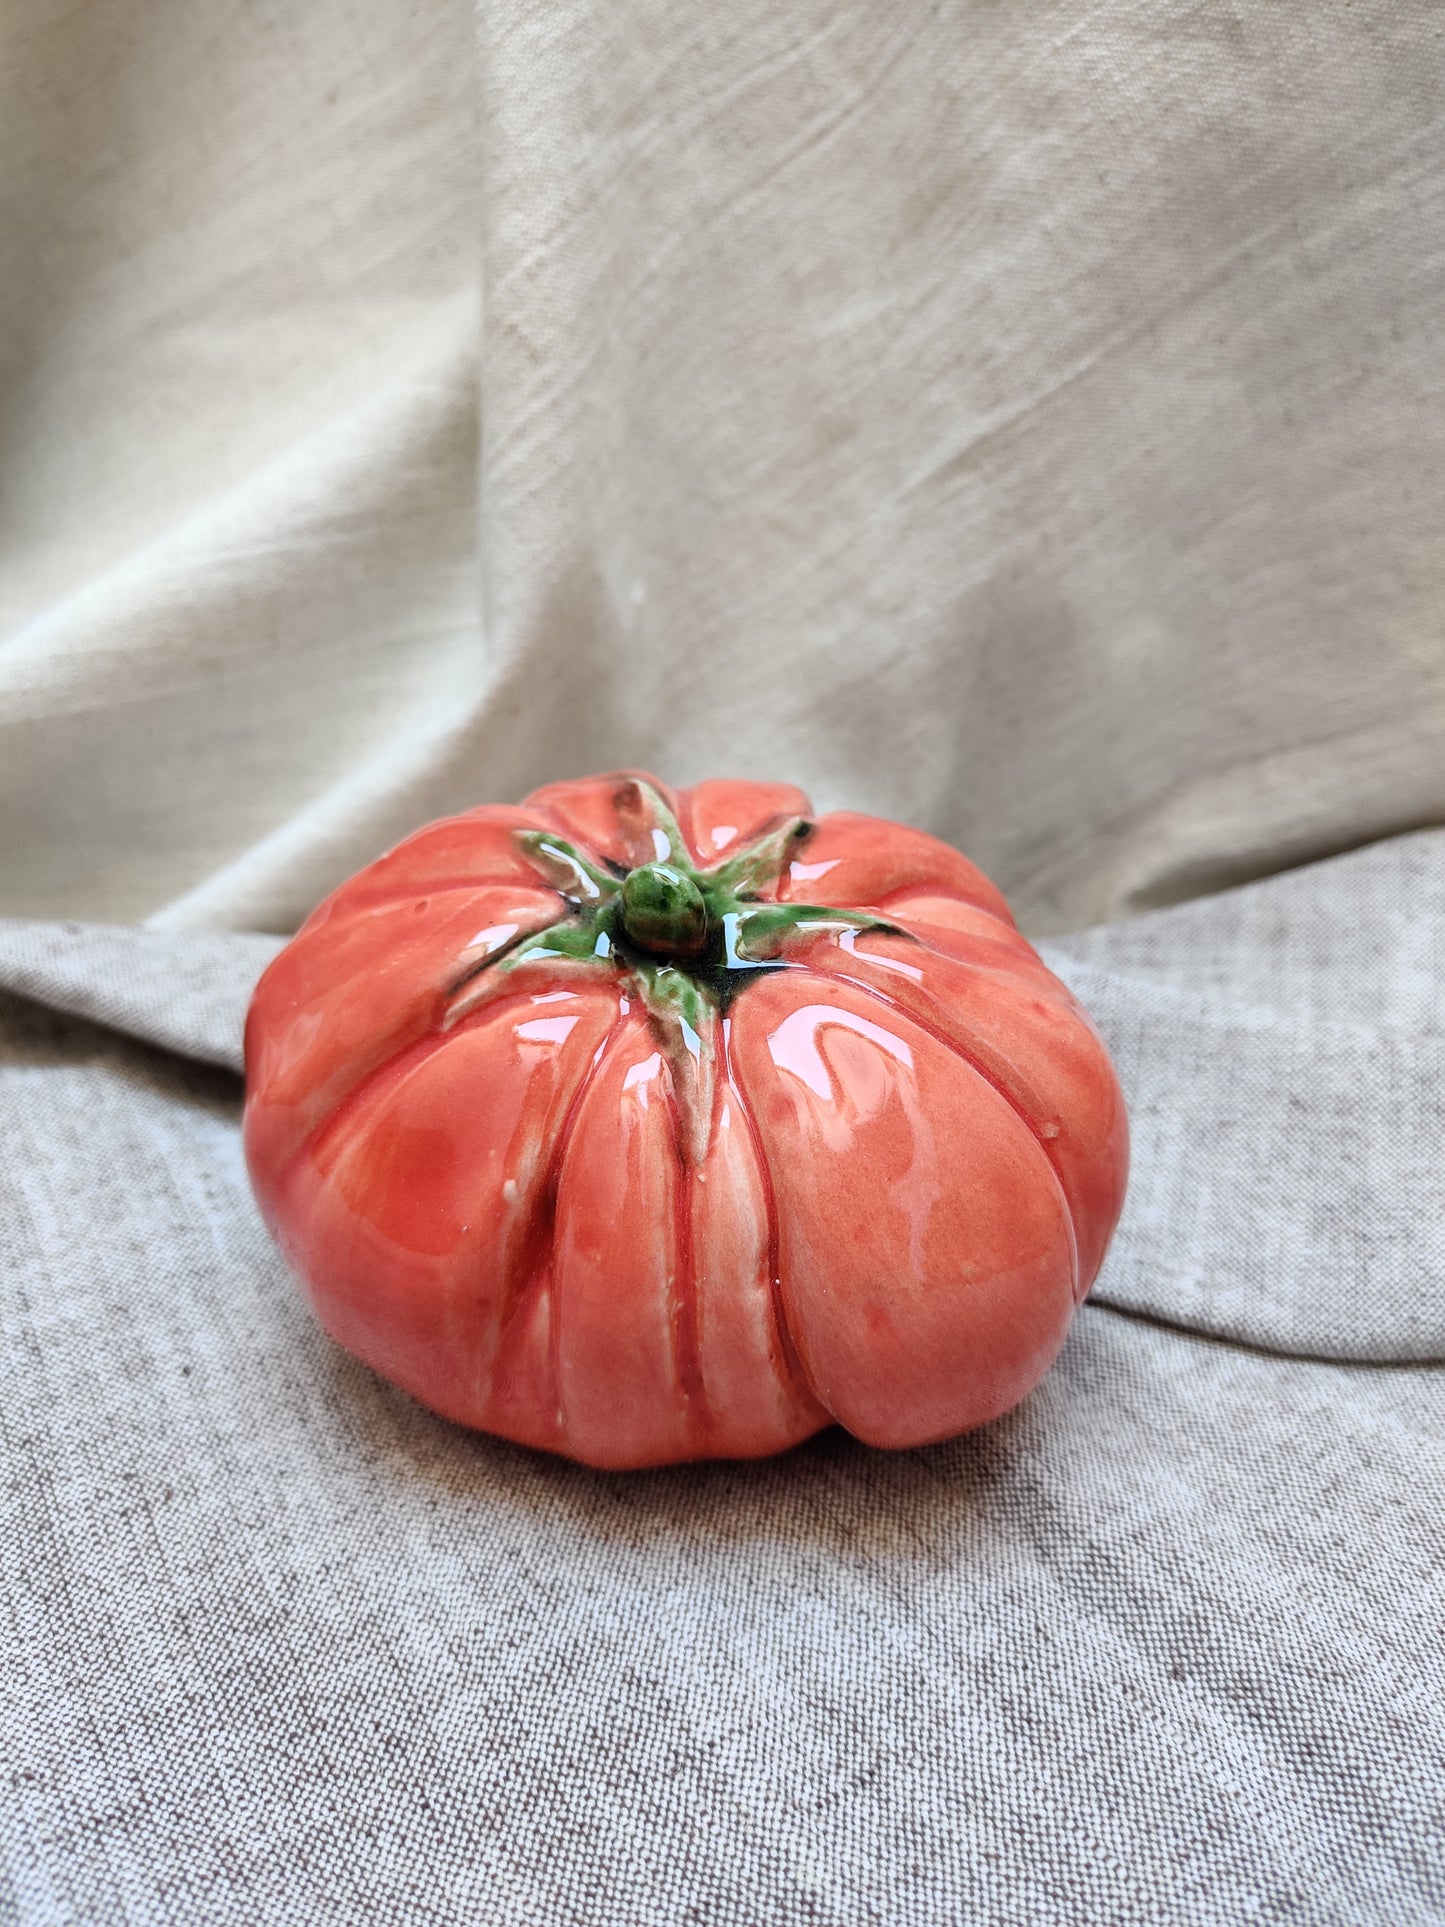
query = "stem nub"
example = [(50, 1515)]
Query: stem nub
[(663, 911)]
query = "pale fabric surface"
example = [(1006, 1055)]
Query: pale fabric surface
[(1024, 419), (1164, 1646)]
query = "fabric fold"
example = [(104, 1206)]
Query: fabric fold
[(185, 991), (1282, 1048)]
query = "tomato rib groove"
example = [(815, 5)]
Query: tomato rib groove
[(552, 1185), (965, 1056), (1012, 964), (556, 827), (391, 899), (792, 1357), (503, 950), (1004, 923), (687, 1354), (419, 1049)]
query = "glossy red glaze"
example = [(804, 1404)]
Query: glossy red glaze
[(516, 1194)]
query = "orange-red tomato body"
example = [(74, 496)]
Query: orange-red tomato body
[(637, 1207)]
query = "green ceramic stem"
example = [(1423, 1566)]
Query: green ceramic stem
[(662, 911), (691, 938)]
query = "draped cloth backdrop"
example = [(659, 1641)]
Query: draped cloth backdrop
[(1024, 420)]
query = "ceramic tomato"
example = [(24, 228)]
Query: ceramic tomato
[(645, 1126)]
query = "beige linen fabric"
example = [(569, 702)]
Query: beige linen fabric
[(1022, 419), (1163, 1646)]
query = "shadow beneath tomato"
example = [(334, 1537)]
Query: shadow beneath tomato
[(832, 1491)]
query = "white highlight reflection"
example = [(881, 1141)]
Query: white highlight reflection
[(493, 937), (793, 1046), (641, 1075), (547, 1030)]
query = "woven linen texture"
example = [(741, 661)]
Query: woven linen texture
[(1163, 1646)]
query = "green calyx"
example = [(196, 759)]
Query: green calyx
[(707, 927), (690, 939)]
